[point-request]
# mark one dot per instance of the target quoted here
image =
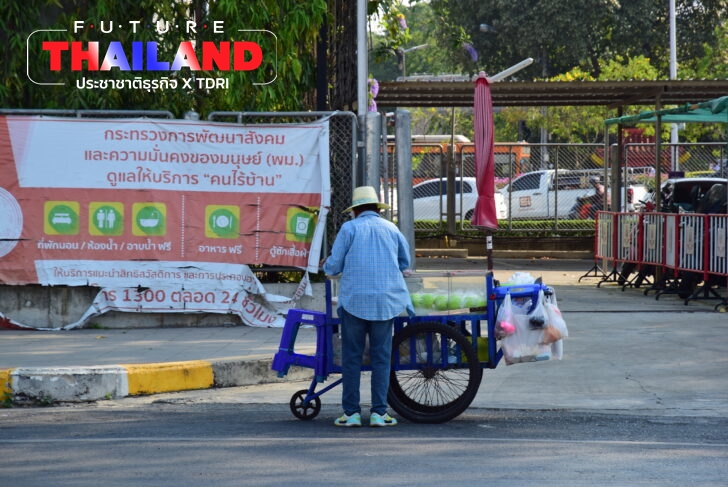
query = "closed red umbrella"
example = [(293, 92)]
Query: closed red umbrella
[(484, 214)]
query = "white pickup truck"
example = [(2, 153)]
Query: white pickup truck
[(541, 195)]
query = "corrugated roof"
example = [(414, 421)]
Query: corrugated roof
[(612, 94)]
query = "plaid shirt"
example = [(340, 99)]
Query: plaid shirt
[(370, 253)]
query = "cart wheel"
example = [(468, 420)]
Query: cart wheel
[(302, 409), (441, 381)]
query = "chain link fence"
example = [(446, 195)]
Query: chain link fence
[(537, 185), (693, 159)]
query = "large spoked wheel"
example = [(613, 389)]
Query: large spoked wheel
[(435, 373), (304, 410)]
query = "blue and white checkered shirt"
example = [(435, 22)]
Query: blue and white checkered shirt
[(370, 253)]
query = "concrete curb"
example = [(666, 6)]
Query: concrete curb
[(47, 385)]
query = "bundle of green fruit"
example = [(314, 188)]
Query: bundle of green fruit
[(445, 302)]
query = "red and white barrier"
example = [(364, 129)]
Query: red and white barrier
[(653, 246), (718, 245), (628, 238), (696, 244), (605, 239)]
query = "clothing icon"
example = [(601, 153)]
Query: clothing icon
[(300, 224)]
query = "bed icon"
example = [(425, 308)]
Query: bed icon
[(61, 218)]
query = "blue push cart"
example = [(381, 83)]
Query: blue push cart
[(437, 360)]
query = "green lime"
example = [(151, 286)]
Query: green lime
[(427, 300), (454, 302), (441, 302)]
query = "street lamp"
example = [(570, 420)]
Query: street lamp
[(401, 56), (673, 75)]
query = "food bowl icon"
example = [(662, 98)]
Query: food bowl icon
[(149, 218), (148, 222)]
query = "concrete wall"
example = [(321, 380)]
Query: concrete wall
[(55, 307)]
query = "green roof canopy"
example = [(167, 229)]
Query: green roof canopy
[(711, 111)]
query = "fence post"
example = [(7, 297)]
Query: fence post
[(403, 153), (372, 153)]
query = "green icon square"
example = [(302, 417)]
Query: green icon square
[(149, 219), (300, 225), (222, 221), (106, 219)]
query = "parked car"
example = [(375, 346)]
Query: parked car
[(543, 195), (687, 195), (430, 199)]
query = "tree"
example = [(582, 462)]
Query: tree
[(564, 34)]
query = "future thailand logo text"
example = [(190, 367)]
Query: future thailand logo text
[(144, 57)]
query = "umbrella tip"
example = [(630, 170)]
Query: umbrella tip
[(481, 74)]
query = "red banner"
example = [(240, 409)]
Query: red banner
[(140, 202)]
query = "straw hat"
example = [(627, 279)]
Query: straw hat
[(365, 195)]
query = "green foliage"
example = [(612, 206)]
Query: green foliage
[(513, 229), (564, 34), (444, 55), (583, 124), (7, 400)]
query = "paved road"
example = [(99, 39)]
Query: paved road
[(185, 443)]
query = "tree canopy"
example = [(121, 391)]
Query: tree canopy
[(569, 40), (313, 47), (564, 34)]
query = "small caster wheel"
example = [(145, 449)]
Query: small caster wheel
[(304, 410)]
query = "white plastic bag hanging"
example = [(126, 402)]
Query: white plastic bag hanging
[(526, 343), (505, 321), (556, 329)]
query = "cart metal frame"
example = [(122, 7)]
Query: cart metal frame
[(437, 359)]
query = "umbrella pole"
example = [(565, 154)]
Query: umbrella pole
[(489, 249)]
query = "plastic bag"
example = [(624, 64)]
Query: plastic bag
[(537, 316), (520, 278), (505, 323), (557, 329), (554, 315), (525, 344)]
